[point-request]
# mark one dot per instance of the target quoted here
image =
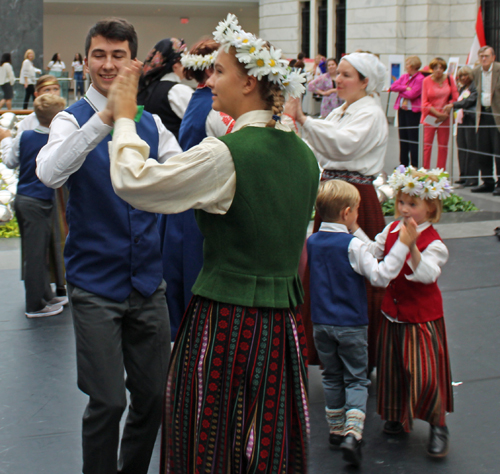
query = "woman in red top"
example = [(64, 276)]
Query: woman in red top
[(438, 90)]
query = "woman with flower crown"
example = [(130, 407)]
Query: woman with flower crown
[(413, 367), (182, 241), (236, 396), (350, 144)]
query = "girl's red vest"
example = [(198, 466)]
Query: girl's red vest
[(409, 301)]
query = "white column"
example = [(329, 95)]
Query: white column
[(330, 34), (313, 28)]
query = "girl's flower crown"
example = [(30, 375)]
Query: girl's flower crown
[(197, 61), (425, 184), (257, 58)]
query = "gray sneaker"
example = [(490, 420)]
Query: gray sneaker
[(58, 300), (47, 311)]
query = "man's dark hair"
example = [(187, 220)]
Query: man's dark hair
[(115, 29)]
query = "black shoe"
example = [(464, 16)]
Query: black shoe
[(484, 188), (470, 183), (460, 181), (351, 450), (496, 192), (438, 442), (336, 439), (393, 427)]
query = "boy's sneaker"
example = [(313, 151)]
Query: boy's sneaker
[(58, 300), (336, 439), (351, 450), (47, 311)]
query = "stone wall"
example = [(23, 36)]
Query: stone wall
[(21, 29)]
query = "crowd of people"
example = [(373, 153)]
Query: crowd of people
[(430, 101), (188, 213)]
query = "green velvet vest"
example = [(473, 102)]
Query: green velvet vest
[(251, 254)]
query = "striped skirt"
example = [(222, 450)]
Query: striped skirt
[(236, 398), (413, 372)]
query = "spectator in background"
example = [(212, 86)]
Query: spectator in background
[(56, 66), (466, 133), (159, 88), (325, 86), (438, 90), (78, 75), (27, 76), (7, 80), (488, 119), (409, 106)]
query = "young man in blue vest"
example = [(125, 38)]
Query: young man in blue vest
[(339, 264), (34, 208), (113, 266)]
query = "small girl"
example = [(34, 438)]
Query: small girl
[(413, 368)]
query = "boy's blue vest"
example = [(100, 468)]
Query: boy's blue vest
[(193, 126), (29, 185), (111, 247), (338, 293)]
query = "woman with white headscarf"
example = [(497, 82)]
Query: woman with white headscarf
[(350, 144)]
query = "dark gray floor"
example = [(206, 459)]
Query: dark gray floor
[(41, 407)]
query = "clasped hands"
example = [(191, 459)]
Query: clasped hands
[(122, 95)]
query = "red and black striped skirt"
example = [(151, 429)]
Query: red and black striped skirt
[(413, 373), (236, 397)]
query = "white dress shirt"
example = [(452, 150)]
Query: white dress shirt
[(179, 95), (7, 74), (433, 257), (9, 153), (486, 86), (203, 177), (11, 147), (69, 144), (218, 124), (362, 261), (28, 72), (352, 138)]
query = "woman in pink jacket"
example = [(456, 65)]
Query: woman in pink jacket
[(408, 104), (438, 90)]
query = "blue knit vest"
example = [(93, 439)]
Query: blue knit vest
[(29, 185), (338, 293), (111, 247)]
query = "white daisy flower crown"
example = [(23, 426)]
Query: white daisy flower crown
[(422, 183), (198, 62), (258, 59)]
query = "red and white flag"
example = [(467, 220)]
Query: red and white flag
[(479, 39)]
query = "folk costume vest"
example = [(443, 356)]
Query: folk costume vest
[(29, 185), (111, 247), (409, 301), (338, 293), (155, 101), (193, 126), (251, 254)]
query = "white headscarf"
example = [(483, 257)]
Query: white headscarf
[(371, 67)]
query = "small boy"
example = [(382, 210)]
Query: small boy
[(33, 206), (339, 264)]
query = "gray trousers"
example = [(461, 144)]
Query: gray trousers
[(343, 352), (111, 339), (34, 217)]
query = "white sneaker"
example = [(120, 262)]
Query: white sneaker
[(58, 300), (47, 311)]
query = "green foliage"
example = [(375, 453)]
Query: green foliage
[(10, 229), (453, 203)]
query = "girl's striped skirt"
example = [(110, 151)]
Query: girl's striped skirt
[(413, 372), (236, 397)]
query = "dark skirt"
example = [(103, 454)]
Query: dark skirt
[(413, 373), (371, 220), (8, 91), (236, 397)]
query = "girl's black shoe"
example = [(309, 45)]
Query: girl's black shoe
[(439, 441)]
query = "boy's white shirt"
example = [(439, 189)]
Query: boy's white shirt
[(11, 147), (364, 263), (433, 257)]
